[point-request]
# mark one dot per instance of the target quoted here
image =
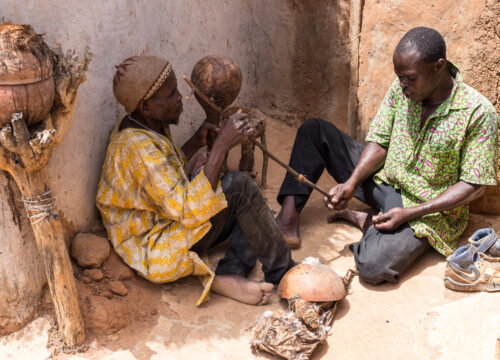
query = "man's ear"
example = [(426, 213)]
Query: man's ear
[(440, 65), (144, 107)]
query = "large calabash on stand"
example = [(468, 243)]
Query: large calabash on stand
[(38, 90), (220, 79), (27, 86)]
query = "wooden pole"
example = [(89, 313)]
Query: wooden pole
[(300, 178), (49, 237)]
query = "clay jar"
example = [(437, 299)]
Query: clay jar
[(26, 83), (218, 77)]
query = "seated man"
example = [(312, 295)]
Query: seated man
[(432, 147), (160, 221)]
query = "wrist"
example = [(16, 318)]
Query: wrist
[(220, 147), (352, 182), (410, 213)]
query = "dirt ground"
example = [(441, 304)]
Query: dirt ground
[(416, 319)]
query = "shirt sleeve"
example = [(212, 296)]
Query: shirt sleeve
[(168, 191), (479, 156), (381, 125)]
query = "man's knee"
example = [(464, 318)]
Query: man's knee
[(373, 267), (311, 125), (238, 182), (375, 273)]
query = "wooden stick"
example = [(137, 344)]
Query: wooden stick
[(300, 178)]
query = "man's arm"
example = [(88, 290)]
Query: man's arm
[(233, 131), (372, 159), (199, 139), (456, 195)]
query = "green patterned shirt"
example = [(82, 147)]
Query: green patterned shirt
[(457, 142)]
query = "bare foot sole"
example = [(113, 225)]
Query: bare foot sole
[(240, 289), (360, 219)]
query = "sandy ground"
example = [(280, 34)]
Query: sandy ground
[(416, 319)]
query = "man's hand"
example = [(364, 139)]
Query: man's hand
[(198, 164), (201, 135), (390, 220), (341, 195), (233, 131)]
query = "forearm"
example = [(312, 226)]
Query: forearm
[(214, 163), (459, 194), (191, 146), (372, 159)]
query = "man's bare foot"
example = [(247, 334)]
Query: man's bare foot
[(240, 289), (288, 221), (360, 219)]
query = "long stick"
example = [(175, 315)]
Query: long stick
[(300, 178)]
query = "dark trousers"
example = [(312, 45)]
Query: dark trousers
[(379, 256), (252, 231)]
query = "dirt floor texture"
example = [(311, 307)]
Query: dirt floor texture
[(130, 318)]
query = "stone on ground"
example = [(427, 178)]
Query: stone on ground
[(90, 250)]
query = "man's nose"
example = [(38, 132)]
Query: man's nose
[(403, 83)]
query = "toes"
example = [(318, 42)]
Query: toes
[(265, 299), (266, 287)]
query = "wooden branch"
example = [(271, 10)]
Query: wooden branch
[(300, 178), (69, 73), (26, 158)]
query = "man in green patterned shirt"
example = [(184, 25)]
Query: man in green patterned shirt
[(431, 149)]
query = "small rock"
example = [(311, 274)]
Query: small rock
[(116, 269), (86, 279), (118, 288), (154, 312), (94, 274), (107, 294), (90, 250)]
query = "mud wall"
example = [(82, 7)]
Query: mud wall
[(471, 30), (290, 51)]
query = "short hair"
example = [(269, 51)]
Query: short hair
[(426, 41)]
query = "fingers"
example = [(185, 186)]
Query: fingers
[(238, 116), (211, 127), (378, 218)]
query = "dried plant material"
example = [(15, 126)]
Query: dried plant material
[(295, 334), (288, 335)]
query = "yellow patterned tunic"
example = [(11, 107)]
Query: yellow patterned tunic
[(152, 212)]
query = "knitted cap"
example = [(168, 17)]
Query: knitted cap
[(138, 78)]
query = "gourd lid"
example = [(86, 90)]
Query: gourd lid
[(312, 282), (24, 57)]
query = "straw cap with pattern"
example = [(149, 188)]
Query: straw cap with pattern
[(138, 78)]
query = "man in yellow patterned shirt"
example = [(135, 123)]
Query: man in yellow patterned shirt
[(158, 219)]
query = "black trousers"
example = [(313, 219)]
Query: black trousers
[(252, 231), (379, 256)]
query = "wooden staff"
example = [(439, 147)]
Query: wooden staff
[(300, 178), (24, 155)]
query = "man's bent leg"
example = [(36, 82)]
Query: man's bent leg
[(257, 233), (319, 145), (382, 256)]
